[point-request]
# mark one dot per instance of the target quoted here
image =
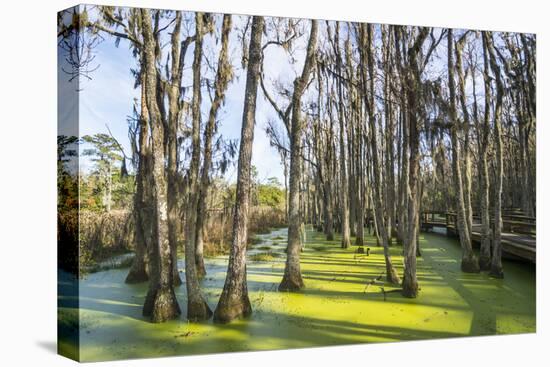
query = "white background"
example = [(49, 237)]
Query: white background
[(28, 182)]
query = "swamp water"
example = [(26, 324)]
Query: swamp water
[(335, 308)]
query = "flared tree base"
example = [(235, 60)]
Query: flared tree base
[(161, 305), (496, 272), (176, 280), (484, 263), (391, 276), (330, 237), (198, 310), (292, 283), (136, 275), (201, 270), (229, 310), (361, 250), (410, 288), (469, 264), (165, 306)]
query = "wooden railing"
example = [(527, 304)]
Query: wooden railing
[(511, 223)]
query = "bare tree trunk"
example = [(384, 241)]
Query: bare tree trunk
[(389, 136), (223, 77), (138, 271), (485, 247), (469, 263), (329, 221), (367, 43), (344, 190), (328, 192), (466, 130), (161, 303), (496, 261), (412, 87), (292, 279), (173, 92), (197, 308), (403, 143), (234, 301)]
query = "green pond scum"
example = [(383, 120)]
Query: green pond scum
[(341, 304)]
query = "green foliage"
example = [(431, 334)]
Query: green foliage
[(104, 150), (67, 181), (270, 195), (108, 186)]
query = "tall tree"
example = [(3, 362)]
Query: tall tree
[(234, 301), (412, 134), (160, 303), (138, 272), (292, 278), (344, 193), (459, 47), (197, 308), (469, 262), (104, 152), (484, 195), (368, 79), (496, 261), (224, 75), (174, 92)]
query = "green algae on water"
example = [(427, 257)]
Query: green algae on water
[(335, 308)]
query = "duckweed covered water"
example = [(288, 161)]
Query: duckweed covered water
[(335, 308)]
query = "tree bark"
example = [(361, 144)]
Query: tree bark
[(138, 271), (223, 77), (344, 190), (412, 87), (292, 278), (234, 302), (173, 92), (485, 247), (469, 262), (496, 261), (466, 131), (197, 308), (161, 303), (368, 96)]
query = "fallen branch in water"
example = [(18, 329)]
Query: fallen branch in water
[(372, 282), (384, 292)]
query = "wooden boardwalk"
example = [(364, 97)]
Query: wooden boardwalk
[(518, 236)]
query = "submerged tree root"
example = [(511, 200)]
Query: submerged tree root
[(291, 284), (484, 263), (201, 270), (161, 305), (136, 275), (373, 282), (232, 310), (469, 264), (496, 272), (198, 310), (165, 306), (392, 276), (410, 288)]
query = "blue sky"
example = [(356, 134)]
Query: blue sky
[(109, 97)]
